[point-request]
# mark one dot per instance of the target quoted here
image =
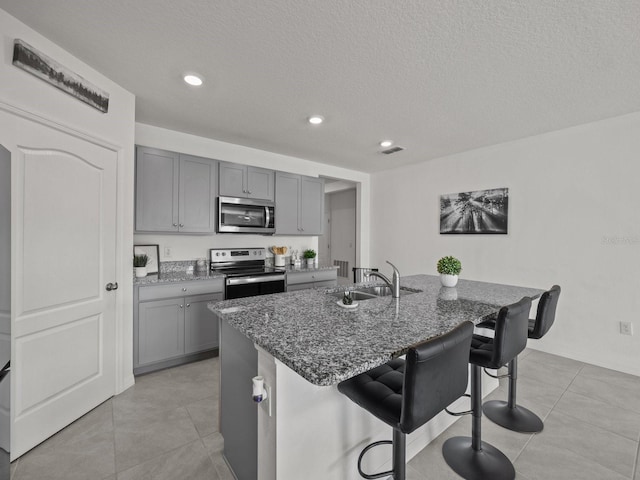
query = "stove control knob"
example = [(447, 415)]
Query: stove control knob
[(224, 253)]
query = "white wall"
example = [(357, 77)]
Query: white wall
[(21, 90), (574, 220), (188, 247)]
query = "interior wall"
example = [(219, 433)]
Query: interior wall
[(22, 91), (573, 221), (189, 247)]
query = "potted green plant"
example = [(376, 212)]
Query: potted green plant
[(449, 268), (310, 256), (140, 265)]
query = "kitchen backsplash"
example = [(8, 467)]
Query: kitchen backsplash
[(187, 248)]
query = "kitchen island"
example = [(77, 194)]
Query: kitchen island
[(303, 343)]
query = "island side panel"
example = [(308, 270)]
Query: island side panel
[(320, 433), (238, 412)]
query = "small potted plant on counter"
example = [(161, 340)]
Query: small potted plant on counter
[(310, 256), (449, 268), (140, 265)]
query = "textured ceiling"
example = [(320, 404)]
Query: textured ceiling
[(436, 76)]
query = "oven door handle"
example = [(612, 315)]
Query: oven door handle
[(260, 279)]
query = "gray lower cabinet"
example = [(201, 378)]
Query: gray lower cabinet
[(174, 192), (311, 279), (172, 327), (299, 204), (245, 181)]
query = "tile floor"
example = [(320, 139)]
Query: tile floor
[(166, 427)]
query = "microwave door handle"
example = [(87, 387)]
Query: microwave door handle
[(266, 217)]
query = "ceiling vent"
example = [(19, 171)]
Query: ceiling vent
[(391, 150)]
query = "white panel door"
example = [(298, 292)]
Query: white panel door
[(64, 241)]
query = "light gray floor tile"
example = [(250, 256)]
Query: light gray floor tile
[(222, 468), (213, 444), (617, 396), (204, 415), (607, 449), (141, 442), (542, 461), (560, 373), (604, 415), (92, 459), (537, 396), (616, 379), (190, 462)]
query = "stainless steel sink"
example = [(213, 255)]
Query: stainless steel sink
[(367, 293)]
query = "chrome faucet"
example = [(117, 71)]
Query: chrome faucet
[(394, 284)]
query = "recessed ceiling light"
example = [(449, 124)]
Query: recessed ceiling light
[(386, 143), (193, 80), (316, 119)]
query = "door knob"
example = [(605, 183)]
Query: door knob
[(112, 286)]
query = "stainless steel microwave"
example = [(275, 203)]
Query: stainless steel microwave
[(246, 215)]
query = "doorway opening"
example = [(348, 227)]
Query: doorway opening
[(339, 241)]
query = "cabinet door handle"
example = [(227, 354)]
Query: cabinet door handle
[(188, 304), (249, 192), (175, 224), (111, 286), (184, 289), (181, 306), (181, 225)]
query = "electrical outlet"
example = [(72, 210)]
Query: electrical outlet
[(626, 328), (167, 252)]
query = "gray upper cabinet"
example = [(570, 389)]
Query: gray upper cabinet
[(245, 181), (174, 192), (299, 204)]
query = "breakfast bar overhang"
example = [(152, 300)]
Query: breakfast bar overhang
[(303, 344)]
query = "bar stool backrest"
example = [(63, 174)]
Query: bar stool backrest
[(512, 328), (546, 314), (436, 374)]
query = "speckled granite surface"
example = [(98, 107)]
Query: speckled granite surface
[(325, 343), (174, 276), (304, 268)]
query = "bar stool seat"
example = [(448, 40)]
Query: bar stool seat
[(470, 457), (405, 394)]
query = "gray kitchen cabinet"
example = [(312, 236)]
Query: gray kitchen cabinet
[(299, 204), (245, 181), (172, 324), (174, 192), (161, 330), (300, 280)]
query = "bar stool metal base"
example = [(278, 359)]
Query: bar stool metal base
[(517, 418), (485, 463)]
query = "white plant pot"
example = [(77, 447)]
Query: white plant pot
[(448, 280), (141, 271), (310, 262)]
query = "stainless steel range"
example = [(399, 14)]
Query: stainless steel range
[(246, 272)]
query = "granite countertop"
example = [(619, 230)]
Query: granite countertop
[(325, 343), (304, 268), (175, 276), (184, 275)]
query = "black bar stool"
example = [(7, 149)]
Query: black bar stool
[(508, 414), (407, 394), (470, 457)]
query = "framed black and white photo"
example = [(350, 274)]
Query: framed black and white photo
[(37, 63), (151, 251), (482, 211)]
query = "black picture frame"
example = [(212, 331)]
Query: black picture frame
[(479, 212), (153, 252)]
